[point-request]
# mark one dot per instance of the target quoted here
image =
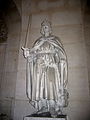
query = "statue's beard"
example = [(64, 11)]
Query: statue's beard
[(46, 34)]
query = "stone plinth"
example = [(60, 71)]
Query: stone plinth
[(43, 118)]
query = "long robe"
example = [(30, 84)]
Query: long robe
[(46, 71)]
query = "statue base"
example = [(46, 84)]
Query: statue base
[(45, 116)]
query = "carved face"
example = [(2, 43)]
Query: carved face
[(45, 28)]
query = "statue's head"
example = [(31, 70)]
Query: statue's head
[(46, 28)]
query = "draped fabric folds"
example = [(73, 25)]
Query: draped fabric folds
[(46, 72)]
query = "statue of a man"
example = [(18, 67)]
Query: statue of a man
[(47, 72)]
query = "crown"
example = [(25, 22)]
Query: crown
[(46, 23)]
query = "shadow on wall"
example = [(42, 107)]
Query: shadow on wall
[(9, 48)]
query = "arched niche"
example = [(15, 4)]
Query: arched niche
[(9, 56)]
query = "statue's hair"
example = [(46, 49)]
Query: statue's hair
[(46, 23)]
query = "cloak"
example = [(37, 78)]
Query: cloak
[(46, 71)]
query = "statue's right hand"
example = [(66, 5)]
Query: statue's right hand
[(25, 52)]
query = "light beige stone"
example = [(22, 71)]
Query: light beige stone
[(78, 84), (69, 34), (33, 35), (21, 63), (25, 19), (55, 4), (79, 110), (76, 54), (11, 61), (37, 19), (66, 18), (8, 85), (22, 109), (43, 5), (21, 85)]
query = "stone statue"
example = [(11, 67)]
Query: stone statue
[(46, 73)]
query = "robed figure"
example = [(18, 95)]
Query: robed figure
[(46, 72)]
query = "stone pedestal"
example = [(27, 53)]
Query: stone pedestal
[(43, 118)]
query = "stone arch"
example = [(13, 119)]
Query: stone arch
[(18, 4), (9, 55)]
